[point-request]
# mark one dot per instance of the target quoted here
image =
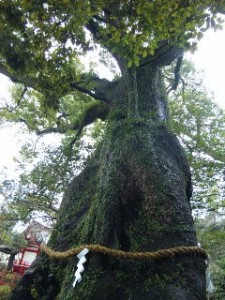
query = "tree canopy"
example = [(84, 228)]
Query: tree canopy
[(43, 39), (42, 44)]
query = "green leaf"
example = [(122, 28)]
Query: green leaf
[(130, 63)]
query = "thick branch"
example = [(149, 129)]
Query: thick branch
[(93, 28), (98, 92), (8, 250), (11, 260), (19, 78), (164, 55), (95, 93), (98, 110), (58, 129), (177, 73)]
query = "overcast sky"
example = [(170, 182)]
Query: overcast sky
[(210, 57)]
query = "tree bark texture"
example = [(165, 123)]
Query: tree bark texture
[(132, 195)]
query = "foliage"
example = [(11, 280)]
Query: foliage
[(8, 280), (211, 234), (44, 40), (130, 28), (5, 291), (38, 190), (10, 238), (44, 167), (16, 240), (200, 125)]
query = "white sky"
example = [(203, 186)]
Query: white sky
[(209, 57), (9, 146)]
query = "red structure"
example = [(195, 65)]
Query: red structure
[(26, 256), (34, 234)]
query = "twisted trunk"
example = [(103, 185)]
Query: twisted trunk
[(133, 195)]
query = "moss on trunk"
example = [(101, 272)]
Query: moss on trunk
[(132, 195)]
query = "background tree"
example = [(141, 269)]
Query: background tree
[(10, 243), (44, 169), (199, 124), (211, 235), (138, 177)]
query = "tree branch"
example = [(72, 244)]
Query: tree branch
[(11, 109), (19, 78), (8, 250), (177, 76), (164, 55), (57, 129), (101, 19), (93, 28), (32, 202), (98, 92)]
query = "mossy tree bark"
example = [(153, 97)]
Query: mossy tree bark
[(132, 195)]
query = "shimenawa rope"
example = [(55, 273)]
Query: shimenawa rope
[(119, 254)]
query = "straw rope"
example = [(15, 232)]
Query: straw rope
[(119, 254)]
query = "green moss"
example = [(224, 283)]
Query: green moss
[(5, 292), (83, 290), (34, 292), (120, 200), (117, 114)]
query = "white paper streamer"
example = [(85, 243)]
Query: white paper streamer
[(80, 267), (209, 285)]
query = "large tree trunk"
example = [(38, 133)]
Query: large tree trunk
[(132, 195)]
